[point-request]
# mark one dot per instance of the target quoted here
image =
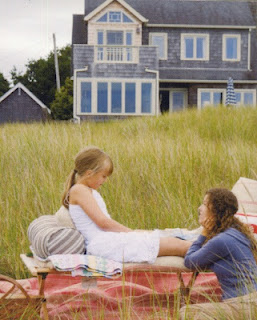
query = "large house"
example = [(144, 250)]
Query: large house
[(143, 57)]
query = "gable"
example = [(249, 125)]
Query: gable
[(19, 86), (122, 3)]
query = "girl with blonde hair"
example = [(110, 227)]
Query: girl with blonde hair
[(104, 236)]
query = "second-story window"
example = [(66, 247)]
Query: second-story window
[(161, 41), (114, 45), (231, 47), (194, 46)]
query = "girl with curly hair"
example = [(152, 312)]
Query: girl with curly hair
[(228, 248), (226, 245)]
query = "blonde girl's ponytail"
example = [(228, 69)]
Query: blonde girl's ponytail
[(69, 183)]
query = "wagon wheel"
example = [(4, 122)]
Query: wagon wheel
[(17, 304)]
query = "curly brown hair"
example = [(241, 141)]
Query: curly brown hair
[(223, 204)]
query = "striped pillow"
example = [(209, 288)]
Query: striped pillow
[(48, 238)]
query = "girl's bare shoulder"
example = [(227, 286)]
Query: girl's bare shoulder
[(80, 188)]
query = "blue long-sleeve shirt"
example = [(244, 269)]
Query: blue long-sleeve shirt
[(230, 257)]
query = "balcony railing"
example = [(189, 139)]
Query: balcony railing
[(125, 54)]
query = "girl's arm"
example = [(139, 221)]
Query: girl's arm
[(82, 196), (201, 257)]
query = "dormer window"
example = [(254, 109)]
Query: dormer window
[(115, 17)]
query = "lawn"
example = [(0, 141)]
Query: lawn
[(162, 167)]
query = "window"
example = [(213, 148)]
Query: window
[(115, 40), (86, 97), (146, 97), (231, 47), (115, 17), (116, 97), (210, 97), (102, 97), (194, 46), (161, 41), (130, 97), (245, 97)]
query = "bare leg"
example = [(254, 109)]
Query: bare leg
[(173, 247)]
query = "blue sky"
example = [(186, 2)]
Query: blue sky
[(27, 27)]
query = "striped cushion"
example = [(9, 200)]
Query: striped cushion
[(48, 238)]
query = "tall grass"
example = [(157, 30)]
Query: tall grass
[(162, 168)]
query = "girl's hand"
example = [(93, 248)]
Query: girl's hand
[(207, 226)]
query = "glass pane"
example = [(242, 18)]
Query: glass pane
[(100, 37), (103, 18), (130, 97), (100, 54), (159, 42), (146, 97), (102, 97), (129, 38), (200, 42), (114, 16), (177, 101), (205, 98), (248, 98), (217, 98), (114, 37), (116, 97), (86, 97), (238, 97), (189, 45), (231, 48), (126, 18)]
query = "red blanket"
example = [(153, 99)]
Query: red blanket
[(135, 295)]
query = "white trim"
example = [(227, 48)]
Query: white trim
[(249, 49), (203, 68), (207, 81), (121, 2), (75, 104), (224, 46), (94, 82), (194, 36), (211, 90), (29, 93), (157, 102), (165, 40), (198, 26)]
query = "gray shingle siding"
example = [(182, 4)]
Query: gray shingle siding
[(84, 56), (21, 108)]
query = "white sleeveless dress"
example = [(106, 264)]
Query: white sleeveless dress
[(119, 246)]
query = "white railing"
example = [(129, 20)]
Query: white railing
[(125, 54)]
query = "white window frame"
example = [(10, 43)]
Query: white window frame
[(108, 17), (194, 36), (212, 91), (165, 40), (121, 50), (243, 91), (94, 82), (224, 46)]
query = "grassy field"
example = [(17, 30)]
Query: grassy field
[(162, 168)]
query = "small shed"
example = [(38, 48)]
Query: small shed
[(21, 105)]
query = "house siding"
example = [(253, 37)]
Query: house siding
[(84, 56), (19, 107)]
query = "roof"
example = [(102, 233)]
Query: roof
[(29, 93), (79, 34), (187, 12)]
